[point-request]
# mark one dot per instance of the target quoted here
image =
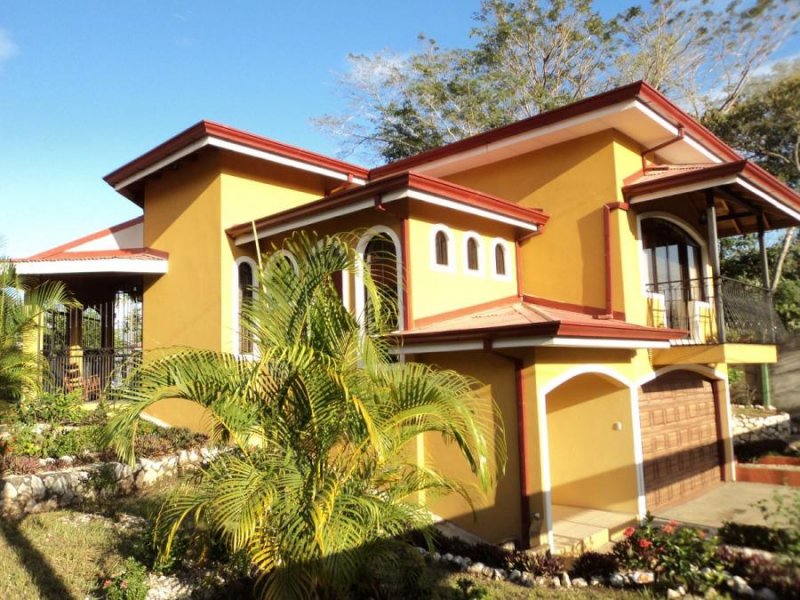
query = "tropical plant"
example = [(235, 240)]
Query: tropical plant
[(322, 424), (22, 307)]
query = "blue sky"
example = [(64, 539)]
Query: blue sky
[(84, 88)]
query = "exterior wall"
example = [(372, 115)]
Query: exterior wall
[(497, 515), (571, 182), (592, 461), (252, 189), (182, 217), (436, 290)]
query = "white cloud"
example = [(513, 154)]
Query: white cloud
[(7, 46)]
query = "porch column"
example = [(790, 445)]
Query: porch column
[(766, 389), (713, 249)]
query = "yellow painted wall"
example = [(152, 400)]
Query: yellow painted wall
[(182, 217), (591, 463), (434, 290), (571, 181), (252, 189), (497, 515)]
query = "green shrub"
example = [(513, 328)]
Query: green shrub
[(130, 584), (783, 514), (73, 442), (677, 555), (537, 564), (594, 564), (753, 536), (55, 409)]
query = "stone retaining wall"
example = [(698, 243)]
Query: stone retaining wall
[(41, 492), (769, 426)]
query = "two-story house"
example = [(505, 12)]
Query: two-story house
[(569, 262)]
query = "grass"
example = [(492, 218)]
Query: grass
[(62, 554)]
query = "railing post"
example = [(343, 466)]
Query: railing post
[(713, 248), (766, 390)]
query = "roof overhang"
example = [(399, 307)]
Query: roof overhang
[(414, 347), (208, 134), (100, 264), (637, 110), (405, 186), (742, 178)]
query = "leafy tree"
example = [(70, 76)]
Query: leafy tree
[(321, 478), (534, 55), (21, 310)]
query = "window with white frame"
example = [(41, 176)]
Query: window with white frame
[(473, 253), (245, 285), (501, 267), (442, 258)]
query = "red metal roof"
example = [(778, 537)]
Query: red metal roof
[(128, 253), (515, 317), (639, 90)]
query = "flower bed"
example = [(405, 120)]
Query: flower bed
[(775, 470)]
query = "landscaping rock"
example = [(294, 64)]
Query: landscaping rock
[(579, 582), (616, 580), (595, 581), (527, 579), (765, 594), (515, 575), (565, 580), (673, 594), (475, 568), (739, 586), (642, 577)]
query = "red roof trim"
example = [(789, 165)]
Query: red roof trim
[(461, 312), (639, 90), (414, 181), (88, 238), (209, 128), (134, 253)]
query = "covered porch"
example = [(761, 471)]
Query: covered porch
[(93, 346)]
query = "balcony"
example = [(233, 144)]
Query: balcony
[(715, 311)]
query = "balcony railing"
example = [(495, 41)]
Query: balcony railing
[(748, 314)]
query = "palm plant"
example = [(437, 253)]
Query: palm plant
[(322, 425), (22, 307)]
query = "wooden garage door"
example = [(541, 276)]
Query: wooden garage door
[(680, 439)]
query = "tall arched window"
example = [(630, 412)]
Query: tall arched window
[(499, 260), (442, 257), (380, 256), (245, 281), (673, 257)]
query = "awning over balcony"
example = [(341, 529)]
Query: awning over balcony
[(742, 191)]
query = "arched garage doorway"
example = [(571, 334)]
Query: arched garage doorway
[(681, 437)]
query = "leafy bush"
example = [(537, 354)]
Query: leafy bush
[(537, 564), (157, 441), (752, 451), (73, 442), (130, 584), (55, 409), (760, 571), (753, 536), (392, 576), (594, 564), (677, 555)]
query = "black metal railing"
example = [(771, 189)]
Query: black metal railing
[(715, 310)]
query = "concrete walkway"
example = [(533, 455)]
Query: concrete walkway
[(733, 501)]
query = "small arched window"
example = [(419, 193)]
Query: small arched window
[(499, 259), (442, 257), (245, 284), (473, 253)]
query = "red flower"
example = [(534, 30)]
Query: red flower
[(668, 529), (106, 583), (702, 534), (629, 532), (644, 544)]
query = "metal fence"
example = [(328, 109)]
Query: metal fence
[(748, 313), (92, 348)]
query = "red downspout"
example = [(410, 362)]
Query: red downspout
[(607, 208), (406, 275), (524, 492)]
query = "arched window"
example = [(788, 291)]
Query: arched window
[(245, 281), (499, 260), (442, 257), (473, 251), (380, 256), (673, 257)]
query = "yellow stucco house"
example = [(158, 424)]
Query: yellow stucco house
[(569, 261)]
